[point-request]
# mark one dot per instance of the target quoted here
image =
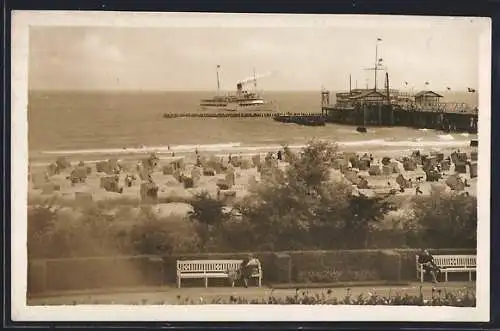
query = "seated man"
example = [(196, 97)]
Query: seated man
[(247, 268), (427, 261)]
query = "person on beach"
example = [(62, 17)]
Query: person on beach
[(417, 190), (128, 181), (279, 155), (247, 268), (427, 260)]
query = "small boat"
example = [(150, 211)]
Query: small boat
[(301, 120), (361, 129)]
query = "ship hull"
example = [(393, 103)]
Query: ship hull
[(250, 107), (257, 107)]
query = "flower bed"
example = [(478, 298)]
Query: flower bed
[(465, 298)]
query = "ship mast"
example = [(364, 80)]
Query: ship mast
[(254, 81), (387, 87), (350, 84), (377, 66)]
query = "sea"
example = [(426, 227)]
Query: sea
[(102, 123)]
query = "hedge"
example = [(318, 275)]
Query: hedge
[(52, 275)]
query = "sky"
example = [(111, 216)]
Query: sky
[(303, 57)]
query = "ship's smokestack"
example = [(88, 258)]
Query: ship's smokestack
[(218, 79), (239, 87)]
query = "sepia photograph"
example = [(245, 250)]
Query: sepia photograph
[(250, 166)]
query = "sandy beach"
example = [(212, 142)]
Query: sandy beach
[(172, 193)]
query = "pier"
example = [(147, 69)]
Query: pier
[(224, 115), (388, 115), (368, 115), (310, 119)]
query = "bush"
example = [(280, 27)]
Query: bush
[(56, 232), (447, 219), (323, 276), (345, 265), (208, 217), (151, 237)]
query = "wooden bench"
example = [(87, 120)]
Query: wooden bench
[(450, 263), (205, 269)]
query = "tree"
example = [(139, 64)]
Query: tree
[(312, 166), (331, 212), (40, 223), (303, 208), (208, 216), (150, 235), (207, 210), (299, 207), (448, 219), (365, 213)]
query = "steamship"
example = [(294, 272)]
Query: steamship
[(242, 100)]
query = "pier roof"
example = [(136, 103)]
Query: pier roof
[(422, 93), (366, 94)]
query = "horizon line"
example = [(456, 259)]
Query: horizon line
[(215, 90)]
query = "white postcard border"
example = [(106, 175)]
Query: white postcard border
[(21, 22)]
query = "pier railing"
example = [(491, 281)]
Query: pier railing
[(238, 115)]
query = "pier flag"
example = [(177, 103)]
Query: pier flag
[(448, 88), (379, 39), (406, 83), (471, 90), (218, 66), (426, 83)]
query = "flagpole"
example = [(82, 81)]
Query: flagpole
[(376, 58)]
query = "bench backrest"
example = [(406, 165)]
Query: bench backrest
[(448, 261), (212, 266)]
